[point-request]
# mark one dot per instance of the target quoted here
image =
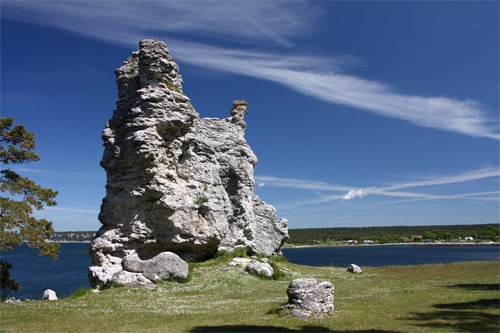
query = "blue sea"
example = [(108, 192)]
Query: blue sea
[(69, 273)]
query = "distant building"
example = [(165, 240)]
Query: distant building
[(368, 241)]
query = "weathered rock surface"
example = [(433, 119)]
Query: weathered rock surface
[(130, 279), (260, 268), (164, 265), (307, 297), (353, 268), (49, 295), (175, 182)]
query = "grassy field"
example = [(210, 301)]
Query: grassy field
[(462, 297)]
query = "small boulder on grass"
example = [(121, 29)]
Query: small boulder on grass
[(260, 268), (49, 295), (308, 298), (354, 269)]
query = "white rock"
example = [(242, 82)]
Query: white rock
[(164, 265), (260, 268), (49, 295), (308, 298), (175, 182), (130, 279), (354, 269)]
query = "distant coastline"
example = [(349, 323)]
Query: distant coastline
[(396, 244)]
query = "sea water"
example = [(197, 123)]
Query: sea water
[(388, 255), (69, 272)]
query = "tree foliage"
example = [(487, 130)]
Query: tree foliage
[(387, 234), (23, 195)]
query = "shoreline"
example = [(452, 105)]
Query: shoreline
[(398, 244)]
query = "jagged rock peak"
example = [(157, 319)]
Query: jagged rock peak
[(175, 182)]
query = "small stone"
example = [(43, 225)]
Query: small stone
[(260, 268), (49, 295), (354, 269), (264, 260)]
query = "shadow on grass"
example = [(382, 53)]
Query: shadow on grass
[(462, 316), (476, 286), (475, 316), (465, 321), (482, 304), (255, 328)]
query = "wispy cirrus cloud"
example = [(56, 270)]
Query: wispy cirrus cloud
[(123, 21), (462, 116), (254, 23), (60, 173), (391, 190)]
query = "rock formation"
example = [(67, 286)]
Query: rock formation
[(175, 182)]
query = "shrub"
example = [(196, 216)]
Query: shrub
[(80, 292), (240, 252), (278, 274), (112, 285), (223, 256)]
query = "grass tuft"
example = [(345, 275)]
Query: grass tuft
[(80, 292)]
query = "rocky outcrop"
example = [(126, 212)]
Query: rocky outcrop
[(308, 298), (175, 182)]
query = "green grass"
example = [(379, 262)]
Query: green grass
[(80, 292), (461, 297)]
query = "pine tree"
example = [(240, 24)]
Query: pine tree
[(17, 223)]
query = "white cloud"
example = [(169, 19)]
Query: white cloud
[(359, 193), (391, 190), (463, 116), (255, 22), (124, 21), (261, 184), (60, 173), (300, 184), (72, 210)]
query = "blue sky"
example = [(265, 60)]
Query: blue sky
[(360, 113)]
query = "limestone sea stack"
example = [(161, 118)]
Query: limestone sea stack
[(175, 182)]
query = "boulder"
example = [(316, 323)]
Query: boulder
[(308, 298), (49, 295), (354, 269), (175, 182), (130, 279), (260, 268), (102, 274), (164, 265)]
